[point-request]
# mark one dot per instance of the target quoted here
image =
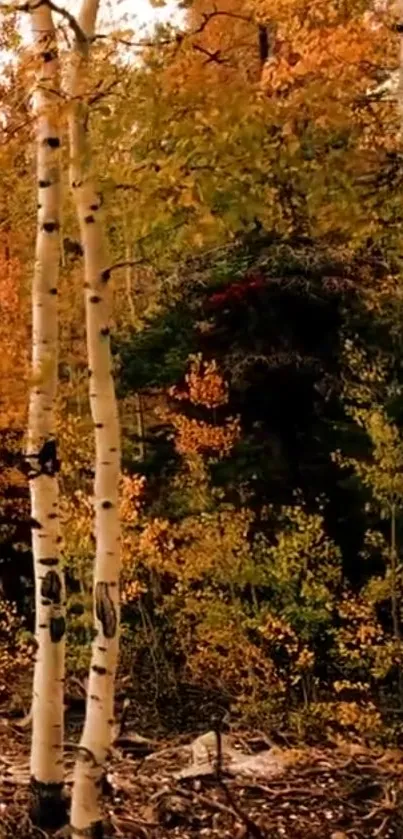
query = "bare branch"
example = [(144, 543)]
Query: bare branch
[(127, 263), (31, 5), (179, 37), (208, 16), (212, 57)]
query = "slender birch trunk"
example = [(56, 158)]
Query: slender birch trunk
[(138, 408), (47, 705), (86, 813)]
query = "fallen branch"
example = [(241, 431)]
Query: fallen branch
[(251, 826)]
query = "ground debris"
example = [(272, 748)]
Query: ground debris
[(329, 793), (268, 763)]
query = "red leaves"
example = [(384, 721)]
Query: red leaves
[(238, 292)]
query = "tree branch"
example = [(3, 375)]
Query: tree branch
[(31, 5), (127, 263), (212, 57)]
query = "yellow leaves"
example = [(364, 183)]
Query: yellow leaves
[(41, 375), (361, 642), (198, 239), (344, 685), (131, 492), (206, 219), (277, 631), (14, 355), (16, 651), (365, 719), (197, 545), (224, 657), (194, 436), (132, 489), (206, 387), (187, 198), (367, 387), (301, 546), (355, 609), (155, 541), (305, 660), (132, 590), (75, 441)]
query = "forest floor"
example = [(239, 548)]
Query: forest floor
[(346, 792)]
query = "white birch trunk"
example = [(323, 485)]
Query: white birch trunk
[(47, 705), (86, 812)]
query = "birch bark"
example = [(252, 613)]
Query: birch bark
[(47, 705), (86, 812)]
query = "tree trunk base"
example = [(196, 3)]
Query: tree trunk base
[(93, 831), (48, 806)]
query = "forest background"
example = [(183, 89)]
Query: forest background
[(251, 173)]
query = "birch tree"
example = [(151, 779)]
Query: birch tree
[(86, 816), (47, 706)]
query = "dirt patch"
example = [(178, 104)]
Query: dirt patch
[(340, 793)]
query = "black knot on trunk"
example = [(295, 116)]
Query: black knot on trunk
[(57, 629), (51, 587), (49, 55), (105, 610), (47, 458), (53, 142), (50, 226)]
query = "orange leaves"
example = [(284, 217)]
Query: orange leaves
[(330, 64), (156, 543), (205, 387), (14, 358), (131, 496), (14, 367), (132, 488), (195, 436), (205, 384)]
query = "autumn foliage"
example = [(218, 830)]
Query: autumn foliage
[(251, 181), (14, 356)]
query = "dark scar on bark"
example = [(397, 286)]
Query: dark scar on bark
[(51, 587), (105, 610), (53, 142), (57, 629)]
